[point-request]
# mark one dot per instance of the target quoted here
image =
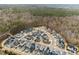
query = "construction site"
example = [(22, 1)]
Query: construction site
[(37, 41)]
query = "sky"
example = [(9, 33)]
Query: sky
[(39, 1)]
